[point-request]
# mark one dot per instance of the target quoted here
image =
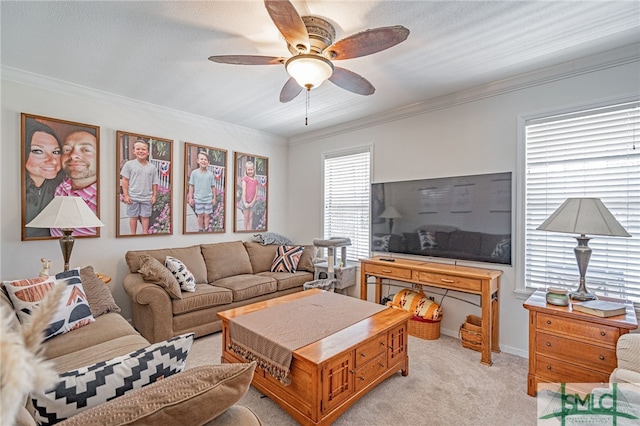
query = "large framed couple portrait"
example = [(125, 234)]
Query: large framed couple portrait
[(144, 201), (58, 158), (251, 193), (205, 179)]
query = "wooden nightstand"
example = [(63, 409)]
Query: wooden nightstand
[(572, 347)]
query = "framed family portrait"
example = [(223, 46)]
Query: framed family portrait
[(59, 158), (251, 186), (205, 179), (144, 193)]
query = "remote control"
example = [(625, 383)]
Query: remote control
[(387, 259)]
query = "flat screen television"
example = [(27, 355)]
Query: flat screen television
[(463, 217)]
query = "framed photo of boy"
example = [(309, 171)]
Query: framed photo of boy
[(205, 192), (251, 193), (59, 158), (145, 193)]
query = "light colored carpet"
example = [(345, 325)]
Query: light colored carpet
[(446, 385)]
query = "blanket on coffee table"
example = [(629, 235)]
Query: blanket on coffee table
[(270, 336)]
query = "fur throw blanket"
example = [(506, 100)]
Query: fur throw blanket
[(272, 238), (23, 368)]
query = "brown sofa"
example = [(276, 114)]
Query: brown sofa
[(112, 336), (227, 274)]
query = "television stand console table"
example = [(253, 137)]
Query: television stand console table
[(483, 282)]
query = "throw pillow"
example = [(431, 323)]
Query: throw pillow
[(287, 258), (427, 239), (418, 304), (87, 387), (155, 272), (183, 275), (73, 309), (380, 243), (98, 294), (195, 396)]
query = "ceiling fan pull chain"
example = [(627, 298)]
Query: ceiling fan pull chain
[(306, 112)]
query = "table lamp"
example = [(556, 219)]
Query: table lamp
[(583, 216), (390, 213), (66, 213)]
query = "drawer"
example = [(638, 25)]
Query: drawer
[(387, 271), (590, 356), (370, 371), (580, 329), (370, 350), (468, 284), (553, 370)]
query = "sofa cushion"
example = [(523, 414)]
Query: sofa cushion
[(190, 256), (98, 294), (195, 396), (287, 258), (154, 271), (307, 258), (89, 386), (205, 296), (106, 327), (73, 309), (261, 256), (226, 259), (182, 274), (288, 280), (247, 286), (412, 241)]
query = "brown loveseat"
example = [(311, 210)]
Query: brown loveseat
[(180, 396), (227, 274)]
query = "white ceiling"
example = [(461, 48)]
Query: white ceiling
[(157, 52)]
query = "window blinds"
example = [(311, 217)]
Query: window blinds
[(594, 153), (346, 199)]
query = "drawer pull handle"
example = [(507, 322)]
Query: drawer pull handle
[(549, 367), (548, 322), (362, 379), (362, 354), (601, 357), (548, 344), (352, 371), (382, 365), (445, 280), (386, 271), (381, 343), (602, 333)]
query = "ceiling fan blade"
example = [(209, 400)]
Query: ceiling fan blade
[(367, 42), (289, 23), (290, 90), (351, 81), (247, 60)]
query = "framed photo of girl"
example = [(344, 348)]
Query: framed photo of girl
[(144, 201), (251, 193), (205, 178), (59, 158)]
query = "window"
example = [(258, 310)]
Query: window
[(346, 199), (592, 153)]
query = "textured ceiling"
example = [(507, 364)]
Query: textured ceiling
[(157, 52)]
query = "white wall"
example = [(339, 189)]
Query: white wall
[(21, 259), (464, 137)]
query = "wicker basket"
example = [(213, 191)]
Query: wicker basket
[(471, 333), (424, 329)]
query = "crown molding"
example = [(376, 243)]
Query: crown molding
[(589, 64), (60, 86)]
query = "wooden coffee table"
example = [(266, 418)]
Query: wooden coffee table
[(330, 375)]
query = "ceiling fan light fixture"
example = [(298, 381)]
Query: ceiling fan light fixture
[(309, 70)]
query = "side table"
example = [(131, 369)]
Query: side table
[(567, 346)]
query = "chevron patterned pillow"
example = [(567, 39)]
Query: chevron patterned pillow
[(90, 386), (287, 258), (183, 275)]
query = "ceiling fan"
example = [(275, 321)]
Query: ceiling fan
[(311, 41)]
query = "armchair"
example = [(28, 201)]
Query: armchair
[(628, 355)]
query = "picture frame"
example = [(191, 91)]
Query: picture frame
[(145, 190), (58, 157), (254, 217), (201, 213)]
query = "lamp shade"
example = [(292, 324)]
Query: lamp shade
[(390, 213), (309, 70), (66, 213), (584, 216)]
